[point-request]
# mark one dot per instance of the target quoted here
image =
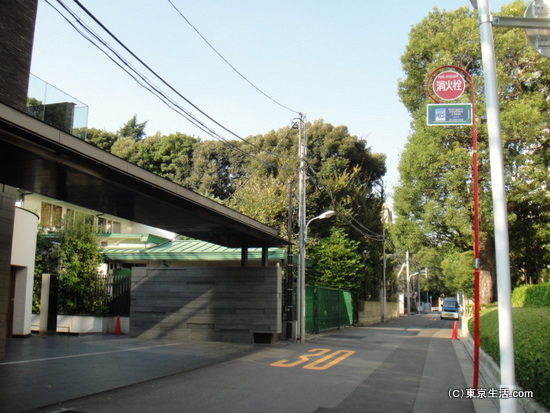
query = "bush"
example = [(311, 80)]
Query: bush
[(534, 296), (531, 349)]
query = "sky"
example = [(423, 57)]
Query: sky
[(333, 60)]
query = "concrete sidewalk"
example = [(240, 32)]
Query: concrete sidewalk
[(44, 370)]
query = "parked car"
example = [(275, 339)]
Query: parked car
[(450, 309)]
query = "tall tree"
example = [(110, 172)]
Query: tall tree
[(343, 175), (433, 201), (132, 129), (337, 263), (101, 138), (253, 176), (169, 156)]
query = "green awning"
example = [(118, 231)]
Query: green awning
[(188, 250)]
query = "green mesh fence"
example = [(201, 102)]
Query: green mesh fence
[(327, 308)]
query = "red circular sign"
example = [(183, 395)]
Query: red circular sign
[(449, 85)]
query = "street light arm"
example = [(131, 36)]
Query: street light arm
[(324, 215)]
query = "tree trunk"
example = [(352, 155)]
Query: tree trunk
[(487, 273)]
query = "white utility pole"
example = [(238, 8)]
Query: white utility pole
[(386, 218), (507, 372), (300, 296), (408, 289)]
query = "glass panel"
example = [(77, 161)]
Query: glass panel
[(57, 108), (57, 212), (116, 227), (45, 214)]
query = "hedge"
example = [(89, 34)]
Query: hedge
[(531, 347), (535, 296)]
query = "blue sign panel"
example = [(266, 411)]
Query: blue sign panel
[(448, 114)]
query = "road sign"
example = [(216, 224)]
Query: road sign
[(536, 22), (449, 114), (449, 85), (539, 38)]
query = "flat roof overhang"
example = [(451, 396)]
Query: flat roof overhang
[(42, 159)]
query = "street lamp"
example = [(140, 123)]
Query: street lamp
[(302, 275), (324, 215)]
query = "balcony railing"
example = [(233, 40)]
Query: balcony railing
[(56, 108)]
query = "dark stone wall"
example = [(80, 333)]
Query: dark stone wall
[(7, 211), (206, 304), (17, 20)]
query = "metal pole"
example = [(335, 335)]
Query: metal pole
[(384, 273), (408, 289), (289, 284), (507, 373), (418, 301), (476, 214), (301, 299)]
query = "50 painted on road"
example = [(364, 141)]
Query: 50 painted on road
[(324, 362)]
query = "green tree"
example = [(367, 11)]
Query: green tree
[(80, 290), (169, 156), (47, 257), (343, 175), (132, 129), (457, 267), (253, 177), (433, 201), (126, 148), (336, 263), (216, 167), (101, 138)]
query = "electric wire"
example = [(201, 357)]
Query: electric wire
[(160, 78), (359, 227), (226, 61), (128, 68), (141, 79)]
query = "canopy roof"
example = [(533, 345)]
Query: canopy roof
[(42, 159), (188, 250)]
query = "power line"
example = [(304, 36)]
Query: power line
[(359, 227), (96, 20), (140, 78), (228, 63)]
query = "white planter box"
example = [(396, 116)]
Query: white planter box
[(77, 324)]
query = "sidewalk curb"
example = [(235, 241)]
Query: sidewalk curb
[(489, 374)]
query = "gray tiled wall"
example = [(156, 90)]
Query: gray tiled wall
[(206, 304)]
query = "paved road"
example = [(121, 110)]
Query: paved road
[(405, 365)]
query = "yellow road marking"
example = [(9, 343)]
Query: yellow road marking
[(301, 359), (317, 364)]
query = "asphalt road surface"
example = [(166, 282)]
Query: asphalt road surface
[(405, 365)]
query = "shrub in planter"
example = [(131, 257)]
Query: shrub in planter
[(531, 348), (537, 295)]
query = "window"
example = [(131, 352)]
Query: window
[(108, 226), (50, 215)]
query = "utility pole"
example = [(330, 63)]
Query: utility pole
[(289, 281), (408, 286), (506, 338), (384, 272), (418, 297), (386, 218), (301, 299)]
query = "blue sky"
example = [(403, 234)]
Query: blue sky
[(332, 60)]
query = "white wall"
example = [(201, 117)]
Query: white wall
[(23, 253)]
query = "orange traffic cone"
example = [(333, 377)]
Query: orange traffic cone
[(455, 331), (117, 326)]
